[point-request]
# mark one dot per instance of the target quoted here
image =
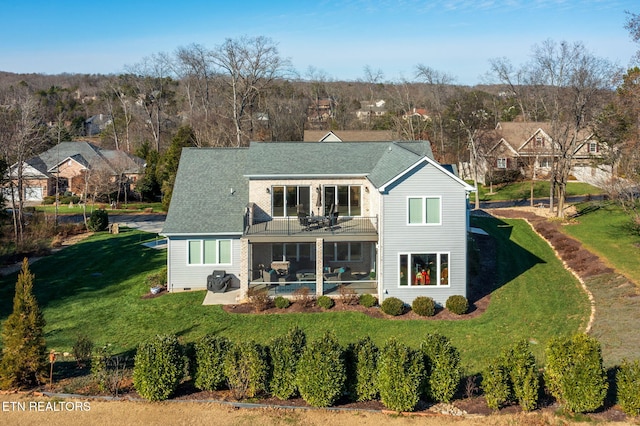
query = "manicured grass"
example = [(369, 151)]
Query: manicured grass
[(64, 209), (606, 230), (95, 287), (522, 190)]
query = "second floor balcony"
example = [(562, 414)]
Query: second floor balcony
[(365, 228)]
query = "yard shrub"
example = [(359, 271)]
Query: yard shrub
[(321, 373), (368, 300), (98, 221), (158, 368), (247, 369), (495, 384), (442, 367), (523, 374), (400, 374), (348, 296), (259, 298), (211, 351), (303, 296), (82, 349), (109, 370), (285, 352), (457, 304), (366, 369), (574, 373), (424, 306), (628, 383), (325, 302), (281, 302), (392, 306)]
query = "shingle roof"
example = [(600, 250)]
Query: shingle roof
[(87, 154), (202, 201)]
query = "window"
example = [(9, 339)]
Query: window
[(348, 198), (420, 269), (343, 252), (593, 147), (424, 211), (502, 163), (539, 141), (292, 251), (209, 252), (545, 162), (285, 200)]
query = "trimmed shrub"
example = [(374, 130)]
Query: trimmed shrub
[(392, 306), (281, 302), (304, 297), (82, 349), (348, 296), (211, 351), (321, 373), (285, 354), (442, 367), (627, 379), (368, 300), (574, 373), (400, 373), (158, 368), (523, 374), (246, 369), (366, 370), (98, 221), (495, 384), (457, 304), (424, 306), (325, 302)]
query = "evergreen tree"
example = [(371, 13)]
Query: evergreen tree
[(24, 352)]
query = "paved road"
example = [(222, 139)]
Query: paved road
[(152, 222)]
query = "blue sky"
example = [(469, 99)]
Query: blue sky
[(338, 38)]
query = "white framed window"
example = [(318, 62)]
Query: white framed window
[(545, 162), (502, 163), (424, 210), (209, 252), (423, 269), (539, 141), (593, 147), (348, 198), (343, 252)]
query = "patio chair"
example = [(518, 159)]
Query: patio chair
[(303, 218)]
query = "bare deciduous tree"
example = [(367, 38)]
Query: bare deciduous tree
[(247, 66)]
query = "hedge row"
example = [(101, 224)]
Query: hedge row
[(321, 371)]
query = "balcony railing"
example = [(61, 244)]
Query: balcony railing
[(292, 226)]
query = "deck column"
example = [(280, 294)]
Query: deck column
[(319, 266), (245, 255)]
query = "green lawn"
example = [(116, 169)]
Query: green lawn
[(95, 287), (65, 209), (522, 190), (605, 230)]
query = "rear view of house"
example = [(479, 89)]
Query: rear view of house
[(377, 217)]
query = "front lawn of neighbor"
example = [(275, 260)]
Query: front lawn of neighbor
[(95, 288), (522, 190)]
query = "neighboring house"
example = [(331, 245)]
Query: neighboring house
[(95, 124), (348, 135), (67, 163), (420, 113), (377, 217), (369, 110), (526, 146), (320, 110)]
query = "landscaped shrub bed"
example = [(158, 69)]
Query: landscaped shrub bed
[(392, 306), (424, 306), (399, 376)]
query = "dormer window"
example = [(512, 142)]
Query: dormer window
[(539, 141)]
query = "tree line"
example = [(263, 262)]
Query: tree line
[(243, 90)]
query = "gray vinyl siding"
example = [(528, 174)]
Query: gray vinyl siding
[(448, 237), (183, 276)]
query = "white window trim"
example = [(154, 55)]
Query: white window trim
[(424, 216), (502, 163), (438, 271), (202, 251)]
